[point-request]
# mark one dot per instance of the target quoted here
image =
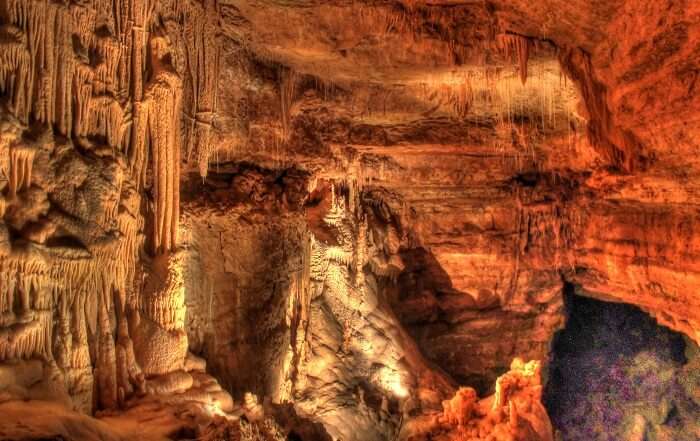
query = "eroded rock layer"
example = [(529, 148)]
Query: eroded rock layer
[(348, 217)]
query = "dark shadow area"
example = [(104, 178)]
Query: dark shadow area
[(452, 327), (298, 427), (615, 374)]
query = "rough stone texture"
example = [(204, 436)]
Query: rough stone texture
[(168, 169), (242, 234)]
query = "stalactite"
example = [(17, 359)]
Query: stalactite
[(28, 339), (21, 161), (62, 70), (43, 105), (288, 87), (516, 46), (162, 106), (203, 53), (106, 118), (45, 75), (137, 20), (15, 62), (106, 73), (58, 70), (339, 255), (82, 85)]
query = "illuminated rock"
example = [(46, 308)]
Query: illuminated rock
[(346, 210)]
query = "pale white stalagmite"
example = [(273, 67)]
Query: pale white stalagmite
[(352, 331), (160, 342), (165, 303)]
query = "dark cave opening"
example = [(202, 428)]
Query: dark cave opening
[(616, 374)]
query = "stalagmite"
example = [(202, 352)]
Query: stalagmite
[(514, 412), (366, 334), (64, 347), (106, 366)]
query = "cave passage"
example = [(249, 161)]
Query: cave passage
[(615, 374)]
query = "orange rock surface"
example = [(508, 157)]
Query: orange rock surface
[(349, 208)]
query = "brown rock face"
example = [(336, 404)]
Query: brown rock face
[(350, 216), (234, 248)]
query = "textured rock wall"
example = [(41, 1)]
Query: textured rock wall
[(92, 287), (375, 174), (244, 240)]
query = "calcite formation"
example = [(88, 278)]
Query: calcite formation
[(333, 220), (514, 411)]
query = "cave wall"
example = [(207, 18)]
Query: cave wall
[(244, 247), (91, 147), (173, 173)]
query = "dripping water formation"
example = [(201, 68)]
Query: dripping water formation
[(333, 220)]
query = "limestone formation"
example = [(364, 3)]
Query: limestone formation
[(338, 220)]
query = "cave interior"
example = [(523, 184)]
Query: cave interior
[(349, 220)]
